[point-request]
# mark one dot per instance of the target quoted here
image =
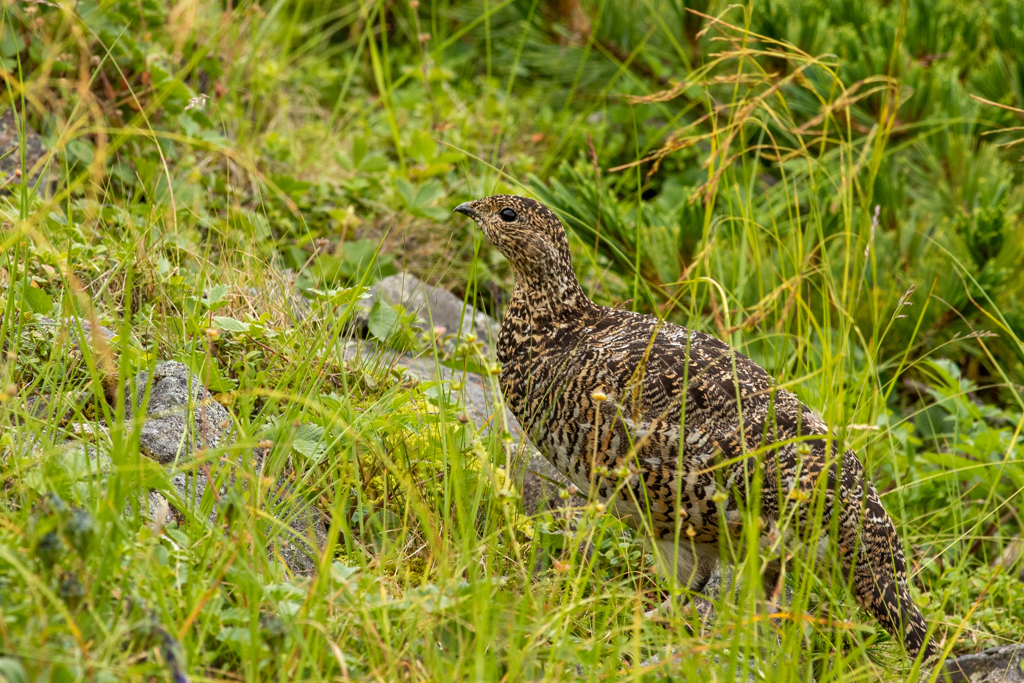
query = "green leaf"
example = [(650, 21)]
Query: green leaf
[(358, 151), (309, 432), (419, 199), (407, 191), (235, 634), (216, 294), (337, 297), (62, 674), (357, 256), (290, 186), (423, 147), (384, 322), (226, 324), (436, 213), (80, 150), (374, 163), (10, 43), (429, 192), (341, 572), (308, 440), (306, 447), (12, 671), (34, 299), (359, 253)]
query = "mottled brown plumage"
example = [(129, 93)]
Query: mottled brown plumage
[(697, 426)]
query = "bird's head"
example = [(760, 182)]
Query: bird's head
[(525, 231)]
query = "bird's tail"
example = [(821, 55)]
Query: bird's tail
[(871, 553)]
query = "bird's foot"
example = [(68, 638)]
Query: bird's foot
[(685, 606)]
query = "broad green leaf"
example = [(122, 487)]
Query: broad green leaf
[(407, 191), (35, 299), (306, 447), (12, 671), (216, 294), (358, 151), (222, 322), (384, 321)]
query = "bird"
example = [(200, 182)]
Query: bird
[(675, 431)]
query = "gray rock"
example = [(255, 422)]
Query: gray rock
[(92, 334), (997, 665), (180, 419), (433, 307), (753, 672), (297, 533), (181, 416), (65, 335), (72, 325), (11, 142), (300, 548), (539, 482)]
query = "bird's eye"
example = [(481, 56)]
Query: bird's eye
[(507, 215)]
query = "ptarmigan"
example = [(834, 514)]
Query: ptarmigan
[(694, 423)]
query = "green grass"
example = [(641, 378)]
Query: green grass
[(836, 193)]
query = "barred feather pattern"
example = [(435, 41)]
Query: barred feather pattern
[(600, 389)]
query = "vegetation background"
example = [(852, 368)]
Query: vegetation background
[(833, 186)]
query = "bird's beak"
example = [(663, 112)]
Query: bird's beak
[(467, 209)]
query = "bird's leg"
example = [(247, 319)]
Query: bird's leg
[(770, 580), (694, 566)]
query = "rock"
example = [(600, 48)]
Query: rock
[(10, 153), (433, 307), (753, 671), (176, 391), (539, 482), (181, 418), (300, 550), (92, 334), (72, 324), (65, 336), (997, 665)]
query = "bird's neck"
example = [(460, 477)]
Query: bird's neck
[(548, 295)]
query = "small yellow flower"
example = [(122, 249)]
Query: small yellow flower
[(598, 395), (798, 495)]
